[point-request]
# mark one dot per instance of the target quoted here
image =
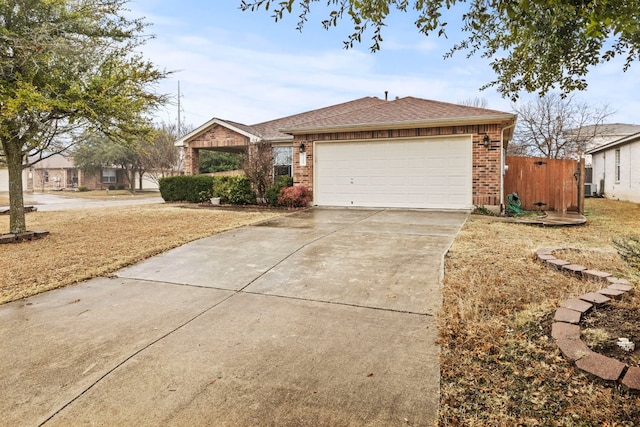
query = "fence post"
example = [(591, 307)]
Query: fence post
[(581, 186)]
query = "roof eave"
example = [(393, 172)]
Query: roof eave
[(627, 139), (454, 121)]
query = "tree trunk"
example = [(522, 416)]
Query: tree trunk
[(132, 180), (13, 153)]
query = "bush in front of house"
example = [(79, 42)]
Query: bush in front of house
[(83, 188), (235, 190), (294, 197), (186, 188), (273, 192)]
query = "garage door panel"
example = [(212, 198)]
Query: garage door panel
[(416, 163), (430, 173)]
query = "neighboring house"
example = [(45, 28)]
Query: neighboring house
[(609, 132), (599, 135), (405, 153), (59, 173), (54, 173), (616, 169)]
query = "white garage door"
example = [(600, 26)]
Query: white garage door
[(431, 173)]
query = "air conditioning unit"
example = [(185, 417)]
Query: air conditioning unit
[(589, 189)]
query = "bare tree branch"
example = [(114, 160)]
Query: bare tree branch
[(556, 127)]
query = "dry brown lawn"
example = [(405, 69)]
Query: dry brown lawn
[(89, 243), (499, 365)]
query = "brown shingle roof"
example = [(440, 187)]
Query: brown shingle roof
[(407, 111), (366, 113), (271, 129)]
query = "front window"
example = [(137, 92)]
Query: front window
[(109, 176), (282, 161), (617, 165), (46, 176)]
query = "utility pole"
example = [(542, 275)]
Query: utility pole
[(179, 124)]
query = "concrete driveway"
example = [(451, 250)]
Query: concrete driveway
[(322, 317)]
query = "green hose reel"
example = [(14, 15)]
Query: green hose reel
[(513, 204)]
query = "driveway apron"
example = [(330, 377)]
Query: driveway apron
[(321, 317)]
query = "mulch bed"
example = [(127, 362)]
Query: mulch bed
[(618, 319)]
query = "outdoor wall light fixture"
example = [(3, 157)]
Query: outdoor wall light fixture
[(486, 140), (302, 148)]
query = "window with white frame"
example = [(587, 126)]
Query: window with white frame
[(109, 176), (282, 161), (617, 172)]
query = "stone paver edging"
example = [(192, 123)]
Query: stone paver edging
[(565, 329), (19, 237)]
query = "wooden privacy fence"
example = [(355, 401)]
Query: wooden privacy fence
[(546, 184)]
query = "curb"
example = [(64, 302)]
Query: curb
[(565, 329)]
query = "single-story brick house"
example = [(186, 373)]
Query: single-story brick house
[(616, 168), (59, 173), (404, 153)]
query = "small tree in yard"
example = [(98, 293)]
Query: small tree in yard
[(258, 167), (67, 66), (160, 157)]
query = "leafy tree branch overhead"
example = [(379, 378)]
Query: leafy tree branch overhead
[(532, 45), (67, 66)]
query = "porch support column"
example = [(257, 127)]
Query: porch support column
[(191, 161)]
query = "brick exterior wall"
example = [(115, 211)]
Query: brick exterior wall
[(57, 179), (486, 174), (486, 160), (215, 137)]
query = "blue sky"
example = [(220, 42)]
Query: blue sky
[(242, 66)]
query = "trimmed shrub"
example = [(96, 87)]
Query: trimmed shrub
[(273, 192), (235, 190), (111, 187), (186, 188), (121, 187), (83, 188), (294, 197)]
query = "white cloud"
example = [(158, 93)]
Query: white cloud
[(233, 70)]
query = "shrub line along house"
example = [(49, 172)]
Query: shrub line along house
[(369, 152)]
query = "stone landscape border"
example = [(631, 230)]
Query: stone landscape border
[(565, 329), (19, 237)]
